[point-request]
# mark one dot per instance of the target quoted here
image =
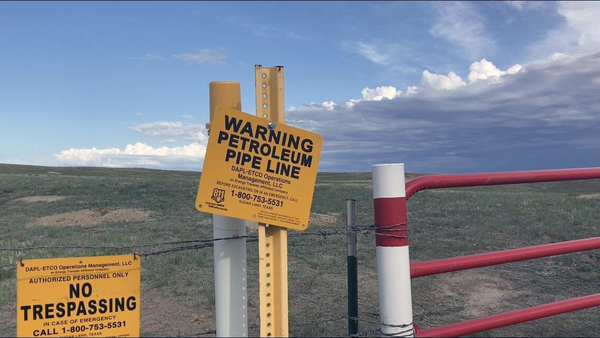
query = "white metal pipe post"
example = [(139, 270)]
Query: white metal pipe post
[(231, 295), (393, 264)]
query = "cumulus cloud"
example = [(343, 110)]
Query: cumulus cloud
[(214, 55), (166, 129), (430, 82), (136, 155), (481, 70), (437, 81), (461, 24), (379, 93), (544, 115)]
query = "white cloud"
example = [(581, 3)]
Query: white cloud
[(580, 31), (350, 103), (215, 55), (512, 124), (370, 51), (140, 114), (329, 105), (484, 69), (514, 69), (147, 57), (556, 56), (190, 117), (525, 5), (583, 17), (198, 137), (379, 93), (430, 82), (171, 130), (438, 81), (515, 4), (459, 23), (135, 155)]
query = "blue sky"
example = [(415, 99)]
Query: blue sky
[(440, 86)]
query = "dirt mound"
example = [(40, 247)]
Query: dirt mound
[(90, 217), (33, 199)]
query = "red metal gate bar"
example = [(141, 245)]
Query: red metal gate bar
[(511, 318), (511, 177), (434, 267)]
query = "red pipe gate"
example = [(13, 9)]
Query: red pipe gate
[(390, 195)]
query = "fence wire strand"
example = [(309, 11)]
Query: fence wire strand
[(198, 244)]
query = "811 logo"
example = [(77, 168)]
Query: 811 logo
[(218, 195)]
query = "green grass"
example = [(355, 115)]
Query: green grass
[(442, 223)]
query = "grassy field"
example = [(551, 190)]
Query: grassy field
[(43, 206)]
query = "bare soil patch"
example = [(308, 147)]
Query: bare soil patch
[(589, 196), (162, 314), (90, 217), (33, 199), (483, 294)]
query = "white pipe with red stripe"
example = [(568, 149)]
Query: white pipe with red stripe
[(393, 263)]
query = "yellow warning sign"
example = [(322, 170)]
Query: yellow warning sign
[(258, 170), (79, 297)]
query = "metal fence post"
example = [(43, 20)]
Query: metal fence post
[(391, 238), (352, 268), (231, 299)]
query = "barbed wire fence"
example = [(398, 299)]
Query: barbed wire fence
[(155, 249)]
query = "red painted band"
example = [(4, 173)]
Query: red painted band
[(390, 222)]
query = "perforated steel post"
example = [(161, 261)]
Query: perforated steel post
[(272, 240)]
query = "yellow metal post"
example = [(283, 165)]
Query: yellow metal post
[(224, 93), (272, 240)]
